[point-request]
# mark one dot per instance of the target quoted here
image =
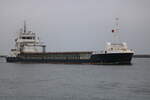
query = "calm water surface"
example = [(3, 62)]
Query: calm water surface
[(75, 82)]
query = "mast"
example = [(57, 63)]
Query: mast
[(25, 27), (116, 31)]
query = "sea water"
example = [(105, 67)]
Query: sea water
[(75, 82)]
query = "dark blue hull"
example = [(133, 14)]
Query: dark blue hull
[(112, 58), (58, 61), (109, 58)]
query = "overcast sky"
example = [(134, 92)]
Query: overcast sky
[(76, 25)]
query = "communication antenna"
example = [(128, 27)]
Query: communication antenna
[(116, 31)]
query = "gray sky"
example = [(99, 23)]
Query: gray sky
[(76, 25)]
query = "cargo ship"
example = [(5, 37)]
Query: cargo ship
[(29, 49)]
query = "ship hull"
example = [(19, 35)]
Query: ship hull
[(112, 58), (108, 58), (58, 61)]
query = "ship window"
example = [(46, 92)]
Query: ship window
[(23, 37), (29, 37), (26, 37)]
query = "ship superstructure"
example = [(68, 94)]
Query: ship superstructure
[(117, 48), (115, 52), (27, 42)]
